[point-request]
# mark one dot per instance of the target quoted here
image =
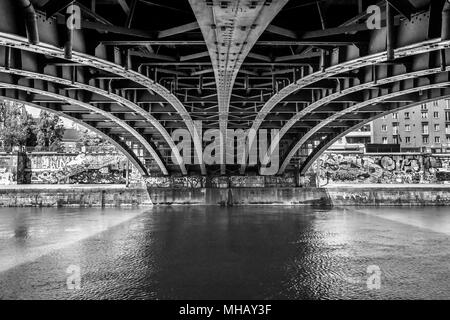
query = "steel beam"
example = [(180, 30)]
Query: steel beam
[(109, 95), (114, 140), (416, 46), (86, 106), (324, 123), (94, 62), (230, 30)]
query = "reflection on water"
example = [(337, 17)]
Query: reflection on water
[(225, 253)]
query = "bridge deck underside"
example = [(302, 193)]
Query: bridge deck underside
[(136, 71)]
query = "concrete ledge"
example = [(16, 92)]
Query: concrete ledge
[(390, 195), (120, 196), (73, 196), (334, 195), (239, 196)]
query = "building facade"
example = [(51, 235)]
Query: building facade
[(355, 140), (423, 128)]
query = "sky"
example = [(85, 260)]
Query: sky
[(35, 114)]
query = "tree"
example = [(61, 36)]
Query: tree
[(49, 132), (16, 126), (89, 139)]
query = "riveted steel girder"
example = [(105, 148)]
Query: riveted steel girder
[(429, 93), (330, 139), (12, 35), (404, 77), (66, 79), (113, 139), (230, 30), (413, 39), (11, 83)]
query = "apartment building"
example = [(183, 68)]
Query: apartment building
[(354, 141), (423, 128)]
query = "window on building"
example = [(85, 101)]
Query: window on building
[(408, 140), (385, 140), (407, 117), (424, 106), (383, 117), (447, 128), (384, 127), (437, 127), (424, 128), (436, 115), (395, 128), (448, 139), (366, 128), (425, 140), (447, 116), (395, 115), (424, 115), (435, 103), (407, 127), (437, 139), (395, 139)]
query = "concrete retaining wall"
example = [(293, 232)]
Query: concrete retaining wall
[(239, 196), (363, 195), (433, 195), (73, 196), (117, 196)]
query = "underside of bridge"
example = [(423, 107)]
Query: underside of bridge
[(137, 70)]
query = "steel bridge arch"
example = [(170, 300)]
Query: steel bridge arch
[(330, 140), (361, 92), (425, 45), (115, 141), (114, 97), (354, 108), (22, 42), (11, 85)]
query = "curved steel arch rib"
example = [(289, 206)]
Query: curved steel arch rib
[(322, 102), (107, 115), (230, 30), (330, 140), (426, 45), (129, 154), (113, 96), (84, 59), (354, 108)]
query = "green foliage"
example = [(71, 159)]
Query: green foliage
[(89, 139), (16, 126), (49, 132), (18, 129)]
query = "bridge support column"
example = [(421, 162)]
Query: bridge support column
[(445, 32), (30, 21)]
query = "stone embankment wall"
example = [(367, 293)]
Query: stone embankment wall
[(73, 196), (419, 195), (239, 196), (65, 168), (403, 168), (422, 180)]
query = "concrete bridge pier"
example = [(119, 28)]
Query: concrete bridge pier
[(234, 190)]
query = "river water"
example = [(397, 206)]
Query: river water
[(225, 253)]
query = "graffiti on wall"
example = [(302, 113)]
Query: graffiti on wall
[(287, 180), (387, 169), (8, 170), (76, 169), (176, 182)]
